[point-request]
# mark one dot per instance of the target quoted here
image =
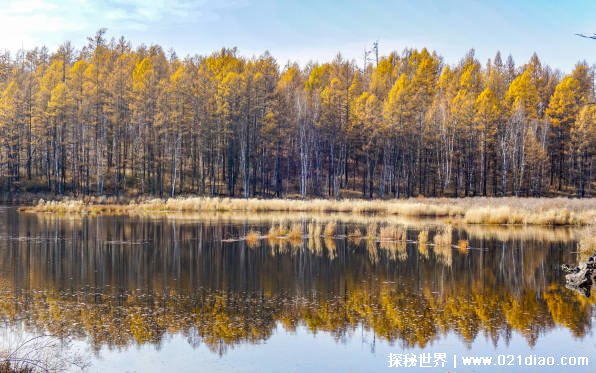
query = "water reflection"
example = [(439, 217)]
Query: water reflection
[(119, 281)]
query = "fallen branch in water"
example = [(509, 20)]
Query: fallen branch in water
[(582, 277)]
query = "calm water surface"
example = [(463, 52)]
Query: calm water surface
[(148, 294)]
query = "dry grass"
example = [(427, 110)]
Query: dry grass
[(371, 231), (444, 238), (314, 229), (330, 229), (296, 233), (392, 233), (368, 225), (442, 248), (509, 215), (331, 247), (252, 238), (523, 232), (355, 233), (587, 244), (396, 249), (422, 241), (314, 238), (463, 246), (392, 239), (277, 231), (444, 255), (371, 248), (511, 210), (355, 236)]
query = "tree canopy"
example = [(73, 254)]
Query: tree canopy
[(110, 119)]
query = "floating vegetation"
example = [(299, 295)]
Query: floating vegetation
[(330, 229), (355, 236), (444, 237), (422, 241), (314, 238), (331, 246), (252, 238), (278, 231), (463, 246), (392, 233), (371, 231), (355, 233), (442, 245), (296, 232)]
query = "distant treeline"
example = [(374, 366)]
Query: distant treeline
[(108, 119)]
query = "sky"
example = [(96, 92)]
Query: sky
[(308, 30)]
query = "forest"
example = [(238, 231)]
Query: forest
[(110, 119)]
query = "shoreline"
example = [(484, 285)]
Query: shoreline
[(470, 210)]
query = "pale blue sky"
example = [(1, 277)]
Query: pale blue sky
[(315, 30)]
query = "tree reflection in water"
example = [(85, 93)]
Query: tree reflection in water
[(120, 281)]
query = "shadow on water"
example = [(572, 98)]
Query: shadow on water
[(122, 281)]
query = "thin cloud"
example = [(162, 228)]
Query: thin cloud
[(34, 22)]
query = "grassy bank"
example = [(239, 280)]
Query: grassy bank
[(525, 211), (587, 243)]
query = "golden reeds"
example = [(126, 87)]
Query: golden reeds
[(355, 233), (392, 233), (355, 236), (296, 233), (587, 244), (510, 210), (330, 229), (463, 246), (371, 248), (371, 231), (331, 247), (422, 241), (314, 237), (442, 248), (444, 238), (278, 231), (252, 238)]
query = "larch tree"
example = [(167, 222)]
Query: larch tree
[(117, 120)]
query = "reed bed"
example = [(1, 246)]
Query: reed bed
[(392, 233), (463, 246), (296, 233), (314, 238), (373, 253), (355, 233), (371, 231), (355, 236), (509, 210), (395, 249), (367, 225), (331, 247), (278, 230), (442, 245), (330, 229), (444, 238), (315, 229), (587, 243), (422, 242)]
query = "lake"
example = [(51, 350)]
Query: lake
[(187, 293)]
